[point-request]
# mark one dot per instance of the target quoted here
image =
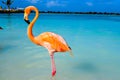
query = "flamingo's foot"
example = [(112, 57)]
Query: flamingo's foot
[(53, 78), (53, 73)]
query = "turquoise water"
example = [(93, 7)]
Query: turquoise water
[(94, 39)]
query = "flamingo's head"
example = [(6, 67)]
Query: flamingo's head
[(26, 14), (28, 10)]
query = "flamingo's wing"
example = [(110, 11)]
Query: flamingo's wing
[(55, 41)]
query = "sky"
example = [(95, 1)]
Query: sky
[(70, 5)]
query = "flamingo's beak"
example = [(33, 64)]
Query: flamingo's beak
[(26, 18)]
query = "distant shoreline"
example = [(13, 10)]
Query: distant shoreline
[(58, 12)]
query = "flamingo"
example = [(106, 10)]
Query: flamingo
[(51, 41)]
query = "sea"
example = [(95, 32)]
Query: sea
[(94, 40)]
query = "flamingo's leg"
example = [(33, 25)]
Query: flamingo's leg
[(53, 65), (51, 53)]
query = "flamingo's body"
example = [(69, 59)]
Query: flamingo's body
[(51, 41)]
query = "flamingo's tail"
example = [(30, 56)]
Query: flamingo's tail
[(70, 51)]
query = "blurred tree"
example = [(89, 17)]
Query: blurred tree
[(0, 7), (8, 3)]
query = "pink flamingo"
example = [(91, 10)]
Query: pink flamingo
[(51, 41)]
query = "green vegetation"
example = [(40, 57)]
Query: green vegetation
[(53, 12), (102, 13), (11, 11), (7, 3)]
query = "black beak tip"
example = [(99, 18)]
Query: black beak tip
[(27, 21)]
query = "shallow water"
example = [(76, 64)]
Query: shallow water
[(94, 39)]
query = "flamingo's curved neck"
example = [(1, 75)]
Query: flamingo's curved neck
[(29, 30)]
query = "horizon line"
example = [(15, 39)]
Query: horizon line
[(60, 12)]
